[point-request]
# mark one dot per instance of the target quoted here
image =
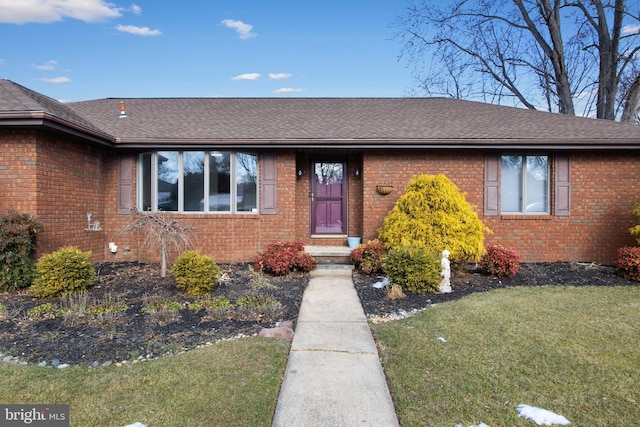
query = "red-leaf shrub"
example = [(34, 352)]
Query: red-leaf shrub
[(501, 262), (281, 258), (368, 257), (18, 233), (628, 264)]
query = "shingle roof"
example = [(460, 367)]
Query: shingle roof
[(17, 100), (345, 122), (322, 122)]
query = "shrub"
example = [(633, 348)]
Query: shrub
[(216, 303), (257, 301), (628, 263), (17, 241), (368, 257), (635, 230), (394, 291), (433, 213), (161, 305), (281, 258), (63, 272), (501, 262), (42, 309), (196, 274), (414, 268)]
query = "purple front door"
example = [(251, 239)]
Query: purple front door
[(328, 198)]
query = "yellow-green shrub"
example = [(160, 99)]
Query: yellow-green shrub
[(63, 272), (635, 230), (433, 213), (413, 268), (196, 274)]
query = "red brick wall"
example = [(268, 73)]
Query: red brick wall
[(18, 171), (70, 183), (227, 237), (57, 180), (602, 185), (60, 179)]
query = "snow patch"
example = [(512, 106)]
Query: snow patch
[(540, 416)]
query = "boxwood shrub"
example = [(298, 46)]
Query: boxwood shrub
[(63, 272), (195, 273), (414, 268)]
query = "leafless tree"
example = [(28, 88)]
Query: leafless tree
[(162, 231), (558, 55)]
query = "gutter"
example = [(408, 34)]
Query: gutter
[(383, 144), (41, 119)]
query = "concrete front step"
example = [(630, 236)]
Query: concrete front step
[(330, 254)]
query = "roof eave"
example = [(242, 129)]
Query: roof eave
[(40, 119), (400, 144)]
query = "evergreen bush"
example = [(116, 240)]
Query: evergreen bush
[(501, 262), (196, 274), (628, 263), (18, 232), (433, 213), (63, 272), (368, 257), (282, 258), (635, 230), (414, 268)]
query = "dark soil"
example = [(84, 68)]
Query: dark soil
[(85, 338), (470, 279), (88, 338)]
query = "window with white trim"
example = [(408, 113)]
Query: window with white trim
[(524, 184), (198, 181)]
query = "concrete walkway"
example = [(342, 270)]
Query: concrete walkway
[(333, 375)]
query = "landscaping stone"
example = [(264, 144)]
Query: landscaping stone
[(282, 332)]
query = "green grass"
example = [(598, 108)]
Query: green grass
[(573, 351), (231, 383)]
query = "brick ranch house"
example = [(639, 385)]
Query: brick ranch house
[(247, 172)]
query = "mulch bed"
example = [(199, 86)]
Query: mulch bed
[(135, 334)]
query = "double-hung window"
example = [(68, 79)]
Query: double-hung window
[(524, 184), (527, 184), (198, 181)]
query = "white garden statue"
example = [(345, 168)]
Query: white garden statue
[(445, 283)]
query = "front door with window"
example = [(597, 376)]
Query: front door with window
[(328, 198)]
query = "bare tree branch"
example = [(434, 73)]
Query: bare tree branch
[(162, 231), (540, 52)]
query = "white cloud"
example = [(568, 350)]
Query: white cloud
[(630, 29), (283, 90), (248, 76), (243, 30), (279, 76), (138, 31), (45, 11), (48, 66), (137, 10), (57, 80)]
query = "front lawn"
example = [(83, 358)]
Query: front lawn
[(231, 383), (573, 351)]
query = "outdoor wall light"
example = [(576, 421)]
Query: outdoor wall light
[(357, 171), (299, 172)]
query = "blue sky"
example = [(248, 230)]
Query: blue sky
[(75, 50)]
